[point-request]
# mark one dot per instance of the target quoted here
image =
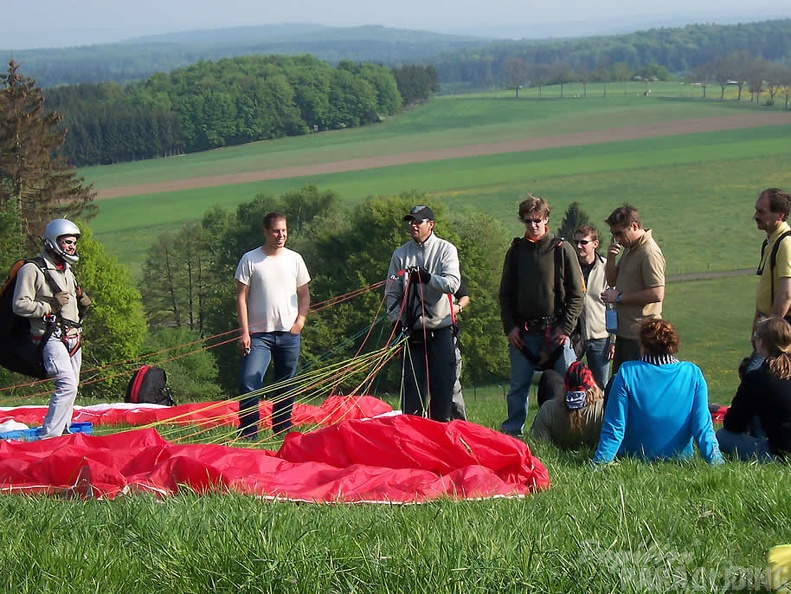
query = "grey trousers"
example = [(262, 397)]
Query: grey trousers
[(65, 372)]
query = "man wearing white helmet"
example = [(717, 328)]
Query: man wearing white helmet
[(53, 301)]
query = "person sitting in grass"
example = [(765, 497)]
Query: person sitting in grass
[(764, 393), (571, 418), (658, 405)]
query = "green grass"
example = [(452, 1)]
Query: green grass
[(724, 169), (630, 527), (442, 123)]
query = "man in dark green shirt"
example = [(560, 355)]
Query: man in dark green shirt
[(541, 297)]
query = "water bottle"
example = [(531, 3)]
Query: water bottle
[(611, 319)]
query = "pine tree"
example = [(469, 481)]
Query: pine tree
[(35, 179), (573, 218)]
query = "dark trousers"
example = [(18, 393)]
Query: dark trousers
[(429, 369)]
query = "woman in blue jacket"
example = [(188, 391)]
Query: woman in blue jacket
[(657, 405)]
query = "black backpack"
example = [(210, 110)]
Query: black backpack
[(149, 385), (18, 352)]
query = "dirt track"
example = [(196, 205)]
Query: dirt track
[(674, 128)]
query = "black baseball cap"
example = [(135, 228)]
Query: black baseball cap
[(419, 213)]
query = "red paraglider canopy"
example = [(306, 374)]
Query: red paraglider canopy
[(394, 459), (206, 414)]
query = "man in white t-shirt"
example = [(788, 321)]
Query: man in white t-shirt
[(272, 302)]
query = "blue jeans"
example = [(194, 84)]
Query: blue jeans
[(744, 446), (522, 370), (282, 348), (596, 356)]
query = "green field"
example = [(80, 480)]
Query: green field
[(629, 527), (696, 191)]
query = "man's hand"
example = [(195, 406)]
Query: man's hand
[(298, 325), (609, 352), (59, 300), (418, 274), (244, 343), (515, 339), (85, 301), (613, 250), (559, 338), (609, 295)]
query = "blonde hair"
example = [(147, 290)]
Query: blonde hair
[(775, 333), (592, 395)]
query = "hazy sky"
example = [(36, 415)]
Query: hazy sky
[(59, 23)]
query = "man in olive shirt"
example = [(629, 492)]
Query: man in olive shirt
[(773, 292), (638, 278)]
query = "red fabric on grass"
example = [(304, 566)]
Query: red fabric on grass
[(399, 459), (207, 414)]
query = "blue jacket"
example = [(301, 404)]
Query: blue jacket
[(655, 411)]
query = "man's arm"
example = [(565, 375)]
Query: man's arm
[(610, 266), (574, 287), (641, 297), (782, 298), (303, 305), (448, 277), (460, 304), (242, 295), (25, 303)]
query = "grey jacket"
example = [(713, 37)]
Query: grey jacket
[(430, 305), (33, 296)]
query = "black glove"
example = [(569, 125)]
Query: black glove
[(418, 274)]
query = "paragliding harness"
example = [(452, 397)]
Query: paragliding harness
[(19, 350), (149, 385), (772, 262), (547, 323)]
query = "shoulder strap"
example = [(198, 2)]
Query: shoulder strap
[(42, 266), (775, 247)]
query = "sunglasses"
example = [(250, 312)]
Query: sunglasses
[(68, 241), (533, 221), (582, 241), (416, 222)]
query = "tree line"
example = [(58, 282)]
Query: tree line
[(677, 50), (230, 102), (135, 60)]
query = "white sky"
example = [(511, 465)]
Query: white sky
[(58, 23)]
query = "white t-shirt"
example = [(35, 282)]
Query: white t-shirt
[(273, 281)]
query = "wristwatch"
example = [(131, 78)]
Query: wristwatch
[(619, 297)]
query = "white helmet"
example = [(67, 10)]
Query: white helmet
[(58, 228)]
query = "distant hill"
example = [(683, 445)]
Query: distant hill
[(136, 59)]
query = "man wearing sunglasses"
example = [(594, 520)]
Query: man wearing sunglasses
[(422, 278), (638, 278), (599, 347), (541, 296)]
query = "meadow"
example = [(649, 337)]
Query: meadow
[(629, 527)]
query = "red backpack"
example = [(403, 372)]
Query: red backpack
[(149, 385)]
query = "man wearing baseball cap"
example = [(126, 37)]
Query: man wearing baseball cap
[(422, 278)]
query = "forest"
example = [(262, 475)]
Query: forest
[(678, 51), (229, 102)]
